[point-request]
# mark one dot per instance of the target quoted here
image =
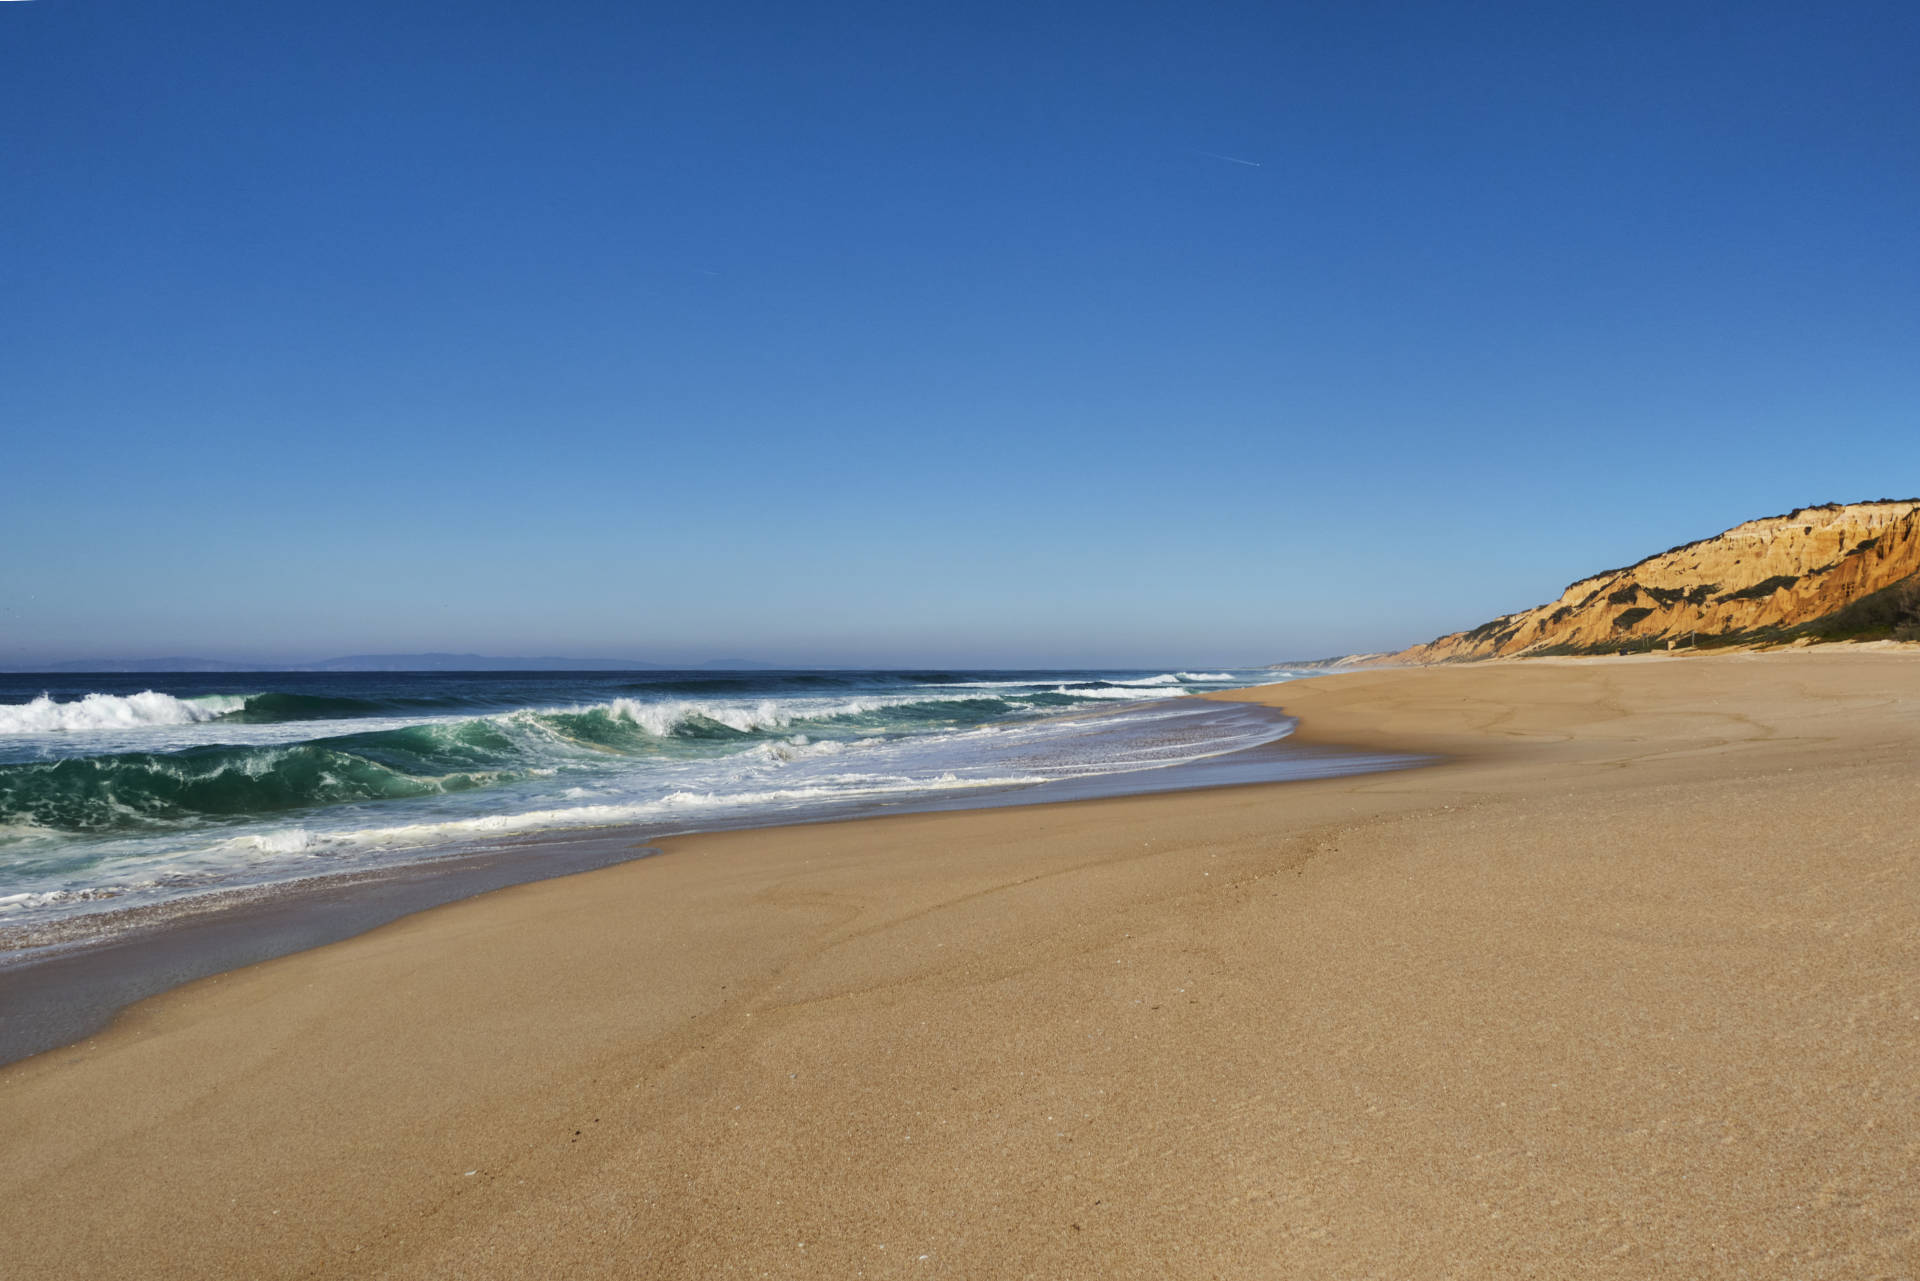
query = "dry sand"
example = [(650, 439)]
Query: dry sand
[(1629, 987)]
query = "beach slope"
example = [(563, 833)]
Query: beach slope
[(1628, 985)]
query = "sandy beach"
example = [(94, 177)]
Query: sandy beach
[(1628, 985)]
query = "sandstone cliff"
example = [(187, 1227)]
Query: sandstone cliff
[(1765, 579)]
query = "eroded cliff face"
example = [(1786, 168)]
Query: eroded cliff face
[(1780, 572)]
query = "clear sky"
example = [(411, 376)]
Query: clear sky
[(907, 334)]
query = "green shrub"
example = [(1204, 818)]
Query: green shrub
[(1765, 587), (1887, 612), (1487, 629)]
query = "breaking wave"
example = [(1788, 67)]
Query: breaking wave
[(111, 797), (224, 781), (114, 711)]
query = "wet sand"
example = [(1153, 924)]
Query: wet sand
[(65, 980), (1628, 986)]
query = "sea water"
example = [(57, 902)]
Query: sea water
[(123, 791)]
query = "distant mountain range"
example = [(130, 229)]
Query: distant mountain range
[(393, 663)]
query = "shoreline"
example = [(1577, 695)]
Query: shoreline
[(1620, 987), (59, 984), (112, 829)]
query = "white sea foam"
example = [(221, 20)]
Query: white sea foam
[(286, 840), (1027, 684), (714, 791), (1135, 692), (1206, 676), (662, 718), (689, 803), (114, 711), (151, 709), (700, 782), (797, 748)]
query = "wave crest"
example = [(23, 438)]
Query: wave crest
[(114, 711), (219, 782)]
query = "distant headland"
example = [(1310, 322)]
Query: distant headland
[(1840, 571)]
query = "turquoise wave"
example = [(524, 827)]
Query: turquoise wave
[(134, 790)]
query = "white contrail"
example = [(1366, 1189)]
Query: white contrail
[(1214, 155)]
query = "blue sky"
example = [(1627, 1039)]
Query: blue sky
[(907, 334)]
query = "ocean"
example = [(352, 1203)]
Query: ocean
[(127, 791)]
